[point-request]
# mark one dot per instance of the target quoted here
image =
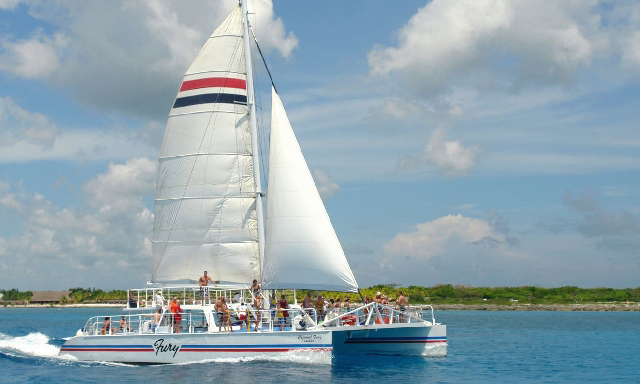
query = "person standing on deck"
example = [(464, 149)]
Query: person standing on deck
[(306, 303), (319, 309), (203, 282)]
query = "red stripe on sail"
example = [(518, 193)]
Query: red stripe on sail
[(223, 82)]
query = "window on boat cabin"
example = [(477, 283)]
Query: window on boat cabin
[(198, 319)]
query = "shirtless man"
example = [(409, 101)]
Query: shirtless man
[(401, 304), (306, 302), (203, 282), (257, 304), (218, 307)]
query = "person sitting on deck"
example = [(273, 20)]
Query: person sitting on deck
[(124, 325), (106, 326), (156, 319), (203, 282)]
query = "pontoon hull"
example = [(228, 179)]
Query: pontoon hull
[(182, 348), (399, 339)]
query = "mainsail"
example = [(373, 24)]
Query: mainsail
[(302, 250), (205, 216)]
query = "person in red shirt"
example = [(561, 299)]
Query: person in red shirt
[(176, 313)]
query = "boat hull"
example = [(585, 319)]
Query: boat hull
[(182, 348), (397, 339)]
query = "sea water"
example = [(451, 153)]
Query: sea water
[(483, 346)]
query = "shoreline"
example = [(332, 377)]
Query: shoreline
[(590, 307)]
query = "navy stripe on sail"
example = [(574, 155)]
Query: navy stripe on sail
[(206, 98)]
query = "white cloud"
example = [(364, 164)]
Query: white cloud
[(431, 238), (37, 57), (451, 157), (326, 187), (9, 4), (109, 236), (491, 44), (126, 56), (18, 124)]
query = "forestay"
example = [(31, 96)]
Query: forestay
[(205, 216), (302, 250)]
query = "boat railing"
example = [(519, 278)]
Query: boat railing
[(143, 323), (375, 313), (187, 294)]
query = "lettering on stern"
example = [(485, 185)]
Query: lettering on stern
[(309, 338), (161, 347)]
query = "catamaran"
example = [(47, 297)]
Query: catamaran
[(212, 213)]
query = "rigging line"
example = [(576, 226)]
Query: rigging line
[(263, 59)]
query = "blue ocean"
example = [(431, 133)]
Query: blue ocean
[(483, 346)]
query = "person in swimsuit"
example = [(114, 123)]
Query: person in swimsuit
[(285, 308), (177, 317), (124, 325), (319, 308), (306, 303), (401, 304), (106, 326), (203, 282), (257, 304), (255, 288)]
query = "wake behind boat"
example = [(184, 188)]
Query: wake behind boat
[(209, 216)]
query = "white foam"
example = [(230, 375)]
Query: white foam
[(33, 344), (285, 357)]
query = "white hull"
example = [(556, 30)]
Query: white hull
[(183, 348)]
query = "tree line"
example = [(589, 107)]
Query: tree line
[(438, 294)]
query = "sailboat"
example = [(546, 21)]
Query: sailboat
[(212, 213)]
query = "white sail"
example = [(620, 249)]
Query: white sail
[(302, 250), (205, 217)]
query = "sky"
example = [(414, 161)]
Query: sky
[(474, 142)]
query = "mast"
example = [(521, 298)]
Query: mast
[(254, 129)]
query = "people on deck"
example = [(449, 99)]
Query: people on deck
[(285, 308), (338, 305), (319, 305), (132, 300), (124, 324), (176, 311), (156, 319), (159, 300), (106, 326), (222, 311), (255, 288), (280, 316), (203, 282), (306, 303), (401, 304), (346, 304), (178, 317), (257, 304)]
